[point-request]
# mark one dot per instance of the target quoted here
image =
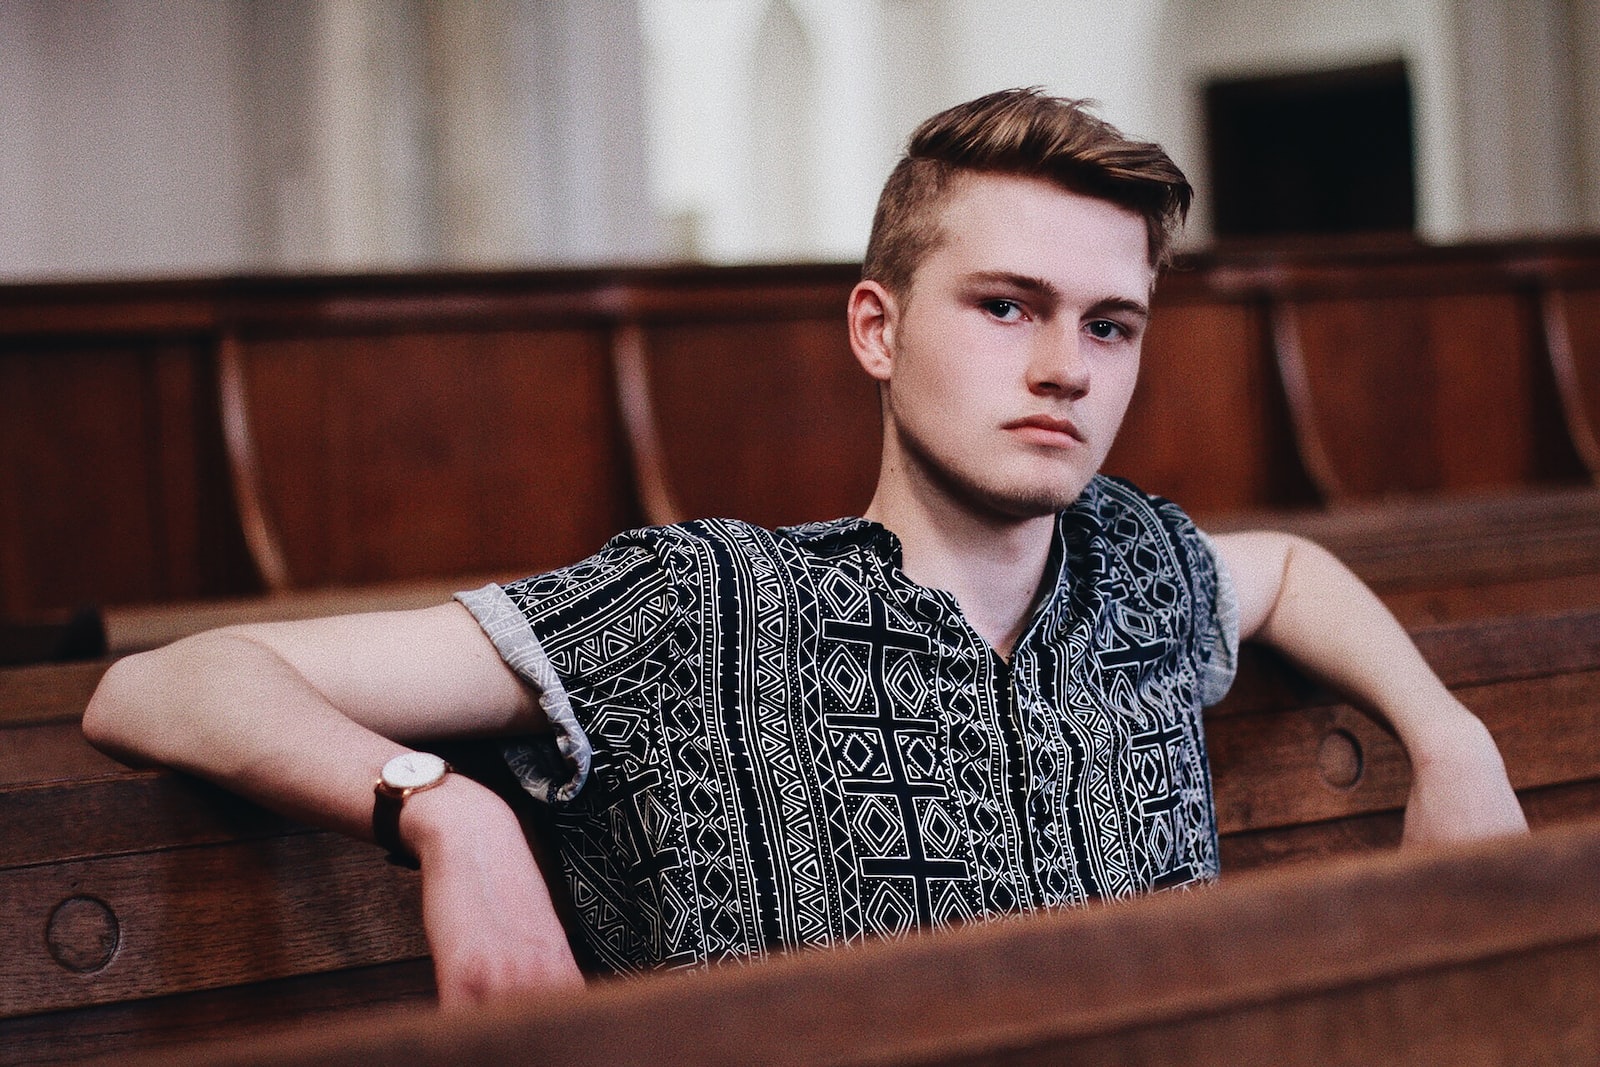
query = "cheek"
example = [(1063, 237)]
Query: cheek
[(1120, 378), (931, 377)]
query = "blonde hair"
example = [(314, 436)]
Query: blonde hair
[(1025, 133)]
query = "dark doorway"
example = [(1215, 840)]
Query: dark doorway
[(1322, 153)]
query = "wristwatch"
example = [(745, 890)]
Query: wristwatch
[(407, 773)]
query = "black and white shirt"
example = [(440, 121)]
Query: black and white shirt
[(768, 739)]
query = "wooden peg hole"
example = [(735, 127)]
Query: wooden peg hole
[(1340, 759), (83, 934)]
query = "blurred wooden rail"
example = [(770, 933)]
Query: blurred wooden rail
[(1489, 954), (187, 440)]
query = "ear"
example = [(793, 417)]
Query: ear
[(874, 316)]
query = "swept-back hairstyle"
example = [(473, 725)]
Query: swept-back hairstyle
[(1019, 132)]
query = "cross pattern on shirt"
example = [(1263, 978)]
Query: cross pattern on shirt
[(880, 637), (623, 796), (795, 809)]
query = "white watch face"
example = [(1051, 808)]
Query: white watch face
[(410, 770)]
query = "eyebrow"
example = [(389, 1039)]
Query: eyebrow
[(1026, 283), (1137, 308), (1048, 293)]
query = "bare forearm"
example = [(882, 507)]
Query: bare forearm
[(301, 716), (229, 709), (1299, 599), (1330, 624), (490, 920), (306, 731)]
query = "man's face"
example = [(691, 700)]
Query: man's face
[(1008, 366)]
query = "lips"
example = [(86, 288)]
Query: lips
[(1047, 429)]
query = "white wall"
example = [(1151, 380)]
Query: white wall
[(715, 90), (204, 136), (119, 144), (1585, 89), (877, 68), (1526, 119)]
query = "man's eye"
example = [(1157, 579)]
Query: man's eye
[(1106, 330), (1005, 310)]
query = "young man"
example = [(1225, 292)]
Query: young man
[(982, 697)]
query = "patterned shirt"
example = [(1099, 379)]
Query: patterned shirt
[(768, 739)]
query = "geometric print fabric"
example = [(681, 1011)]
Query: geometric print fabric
[(764, 740)]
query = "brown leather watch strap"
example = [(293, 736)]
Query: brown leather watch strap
[(405, 774), (386, 805)]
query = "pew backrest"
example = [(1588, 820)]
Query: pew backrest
[(199, 439)]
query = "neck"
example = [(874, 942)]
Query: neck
[(993, 564)]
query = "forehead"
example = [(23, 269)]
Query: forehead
[(1028, 226)]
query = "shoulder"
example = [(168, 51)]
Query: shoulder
[(735, 536), (677, 559), (1154, 548), (701, 550), (1120, 508), (1150, 531), (696, 539)]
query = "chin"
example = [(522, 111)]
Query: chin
[(1004, 487), (1028, 501), (1036, 505)]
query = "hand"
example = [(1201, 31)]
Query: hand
[(488, 915), (1459, 788)]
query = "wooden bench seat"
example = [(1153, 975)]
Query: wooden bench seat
[(1300, 776), (145, 908), (225, 916)]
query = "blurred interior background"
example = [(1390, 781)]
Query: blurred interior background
[(178, 137)]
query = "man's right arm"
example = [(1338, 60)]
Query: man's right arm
[(301, 716)]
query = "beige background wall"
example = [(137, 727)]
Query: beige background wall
[(146, 137)]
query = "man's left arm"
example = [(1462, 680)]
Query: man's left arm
[(1296, 597)]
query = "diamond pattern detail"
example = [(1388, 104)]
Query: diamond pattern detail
[(795, 745)]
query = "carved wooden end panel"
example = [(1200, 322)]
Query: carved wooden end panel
[(768, 420)]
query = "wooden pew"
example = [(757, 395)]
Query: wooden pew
[(1210, 423), (223, 919), (1448, 559), (1409, 369), (1484, 954), (144, 908), (211, 438), (1301, 776), (1569, 312), (214, 438), (1414, 386)]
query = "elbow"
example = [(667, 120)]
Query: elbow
[(118, 719)]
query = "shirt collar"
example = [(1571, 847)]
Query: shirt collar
[(1077, 593), (839, 536), (1077, 527)]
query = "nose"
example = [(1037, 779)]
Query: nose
[(1057, 365)]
